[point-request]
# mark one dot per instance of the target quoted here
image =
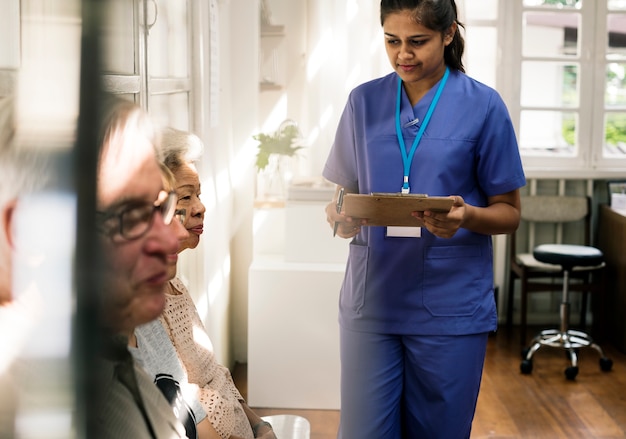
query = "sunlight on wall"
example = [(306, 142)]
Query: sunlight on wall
[(215, 288), (244, 159), (322, 124), (376, 46), (314, 134), (217, 281), (352, 9), (202, 305), (276, 116), (208, 187), (319, 55), (326, 116), (353, 76), (222, 185)]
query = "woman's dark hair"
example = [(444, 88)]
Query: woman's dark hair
[(437, 15)]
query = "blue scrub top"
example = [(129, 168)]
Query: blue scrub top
[(426, 285)]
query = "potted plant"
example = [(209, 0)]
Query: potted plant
[(273, 159), (282, 142)]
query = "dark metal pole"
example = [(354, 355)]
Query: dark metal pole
[(86, 333)]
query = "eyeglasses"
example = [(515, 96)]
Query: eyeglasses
[(135, 219), (181, 215)]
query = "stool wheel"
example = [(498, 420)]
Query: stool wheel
[(606, 364), (524, 353), (571, 372), (526, 367)]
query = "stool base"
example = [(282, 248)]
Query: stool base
[(569, 340)]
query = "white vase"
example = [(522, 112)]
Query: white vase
[(274, 180)]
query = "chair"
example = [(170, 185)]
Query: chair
[(555, 214), (568, 257)]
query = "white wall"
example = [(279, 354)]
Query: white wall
[(329, 47), (225, 102)]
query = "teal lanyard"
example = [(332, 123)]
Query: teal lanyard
[(408, 158)]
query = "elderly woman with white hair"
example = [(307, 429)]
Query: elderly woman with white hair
[(216, 404)]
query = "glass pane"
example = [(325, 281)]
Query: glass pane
[(481, 10), (550, 34), (615, 135), (615, 85), (269, 60), (50, 65), (10, 36), (616, 25), (549, 84), (168, 41), (617, 5), (117, 40), (170, 110), (548, 133), (554, 3), (481, 58)]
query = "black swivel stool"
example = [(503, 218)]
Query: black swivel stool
[(567, 256)]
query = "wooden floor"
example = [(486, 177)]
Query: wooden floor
[(543, 404)]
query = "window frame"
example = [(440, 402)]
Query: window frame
[(589, 161)]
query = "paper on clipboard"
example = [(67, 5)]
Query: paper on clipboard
[(392, 209)]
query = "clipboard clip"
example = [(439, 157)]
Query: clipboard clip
[(338, 208), (399, 194)]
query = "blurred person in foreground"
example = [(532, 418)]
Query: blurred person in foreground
[(22, 172), (134, 219)]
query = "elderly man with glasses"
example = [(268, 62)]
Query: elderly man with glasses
[(138, 238)]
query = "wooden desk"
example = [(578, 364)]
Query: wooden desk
[(612, 242)]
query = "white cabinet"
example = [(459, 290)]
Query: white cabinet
[(293, 339), (293, 294)]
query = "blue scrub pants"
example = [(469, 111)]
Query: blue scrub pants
[(409, 386)]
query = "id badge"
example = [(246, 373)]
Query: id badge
[(403, 232)]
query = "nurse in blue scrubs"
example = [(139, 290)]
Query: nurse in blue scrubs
[(416, 305)]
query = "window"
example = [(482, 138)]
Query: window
[(566, 69)]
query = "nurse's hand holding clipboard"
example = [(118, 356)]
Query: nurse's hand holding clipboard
[(500, 216), (444, 224)]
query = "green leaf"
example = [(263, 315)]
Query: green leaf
[(280, 142)]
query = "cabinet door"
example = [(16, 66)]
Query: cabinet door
[(147, 56), (122, 48), (169, 57)]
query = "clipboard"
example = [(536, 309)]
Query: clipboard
[(392, 209)]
